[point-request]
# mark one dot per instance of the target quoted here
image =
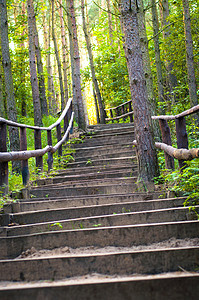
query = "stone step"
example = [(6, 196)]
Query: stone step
[(121, 263), (104, 162), (172, 286), (119, 236), (88, 176)]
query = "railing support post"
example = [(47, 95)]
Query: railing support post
[(58, 139), (66, 123), (38, 145), (24, 163), (3, 165), (182, 138), (130, 109), (111, 113), (118, 113), (166, 138), (50, 155)]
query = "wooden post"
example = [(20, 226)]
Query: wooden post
[(111, 113), (58, 127), (38, 145), (50, 155), (123, 112), (3, 165), (130, 109), (117, 113), (69, 116), (24, 163), (166, 138), (182, 138), (66, 123)]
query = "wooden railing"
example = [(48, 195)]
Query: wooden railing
[(24, 154), (121, 111), (182, 153)]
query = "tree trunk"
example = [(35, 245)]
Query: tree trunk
[(42, 89), (157, 52), (77, 80), (58, 59), (9, 88), (33, 70), (109, 22), (22, 73), (189, 54), (147, 158), (164, 9), (2, 108), (94, 79), (64, 51)]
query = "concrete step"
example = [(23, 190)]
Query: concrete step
[(89, 183), (119, 236), (91, 169), (172, 286), (88, 176), (104, 162), (48, 219), (89, 217), (55, 202), (120, 263)]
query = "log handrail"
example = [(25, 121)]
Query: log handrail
[(182, 153), (121, 111), (24, 154)]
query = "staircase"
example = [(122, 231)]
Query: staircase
[(88, 233)]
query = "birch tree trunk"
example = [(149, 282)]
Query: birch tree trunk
[(58, 59), (146, 153), (77, 79), (8, 80), (157, 52), (189, 54), (94, 79), (32, 62)]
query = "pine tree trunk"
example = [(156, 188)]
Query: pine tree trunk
[(9, 88), (22, 73), (64, 51), (157, 52), (109, 22), (94, 79), (164, 8), (77, 80), (58, 59), (33, 70), (147, 65), (146, 153), (189, 54), (2, 108)]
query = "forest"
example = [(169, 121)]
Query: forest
[(57, 49)]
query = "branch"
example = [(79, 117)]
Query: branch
[(107, 11)]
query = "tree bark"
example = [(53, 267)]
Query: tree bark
[(2, 108), (40, 71), (8, 79), (64, 51), (109, 22), (189, 55), (33, 70), (157, 52), (22, 73), (77, 80), (147, 158), (164, 11), (58, 59), (94, 79)]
